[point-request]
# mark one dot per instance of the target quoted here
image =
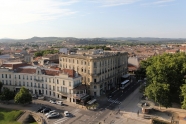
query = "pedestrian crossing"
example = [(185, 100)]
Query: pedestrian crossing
[(60, 121), (114, 101)]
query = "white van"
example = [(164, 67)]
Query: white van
[(66, 113), (59, 102)]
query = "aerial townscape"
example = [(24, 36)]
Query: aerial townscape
[(92, 62)]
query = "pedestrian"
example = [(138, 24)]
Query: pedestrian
[(138, 113)]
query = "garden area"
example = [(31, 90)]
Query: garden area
[(8, 116)]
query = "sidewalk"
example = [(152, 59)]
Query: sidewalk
[(128, 112)]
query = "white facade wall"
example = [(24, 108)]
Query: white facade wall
[(49, 86)]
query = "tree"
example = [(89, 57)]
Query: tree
[(159, 93), (23, 96), (183, 94), (1, 85), (7, 95)]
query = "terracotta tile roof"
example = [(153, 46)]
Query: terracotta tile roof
[(70, 72), (17, 51), (132, 67), (26, 70), (51, 72)]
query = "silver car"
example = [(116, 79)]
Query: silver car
[(53, 115), (50, 112)]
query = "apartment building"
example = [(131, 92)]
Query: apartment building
[(58, 84), (100, 70)]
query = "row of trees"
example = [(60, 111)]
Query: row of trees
[(22, 97), (166, 78), (45, 52), (95, 47)]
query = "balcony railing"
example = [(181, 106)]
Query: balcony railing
[(64, 93), (38, 80)]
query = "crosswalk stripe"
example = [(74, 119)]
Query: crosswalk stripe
[(114, 101), (61, 120)]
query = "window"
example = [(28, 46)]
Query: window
[(27, 84), (6, 82), (77, 62), (9, 75), (19, 77), (53, 87), (95, 80), (30, 77), (57, 88), (57, 81), (2, 76), (23, 77), (63, 82), (95, 87), (31, 84), (23, 83), (69, 84), (5, 75), (94, 64), (46, 86)]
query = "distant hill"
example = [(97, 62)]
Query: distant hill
[(105, 40)]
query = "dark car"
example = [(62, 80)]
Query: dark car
[(41, 108), (45, 110)]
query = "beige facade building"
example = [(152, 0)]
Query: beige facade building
[(100, 70), (58, 84)]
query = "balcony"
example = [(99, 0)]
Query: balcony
[(38, 80), (64, 93)]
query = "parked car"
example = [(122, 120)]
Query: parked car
[(66, 113), (41, 108), (59, 102), (45, 110), (52, 101), (41, 97), (53, 115), (50, 112)]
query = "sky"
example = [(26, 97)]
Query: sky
[(20, 19)]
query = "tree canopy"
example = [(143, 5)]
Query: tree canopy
[(165, 75), (23, 96), (7, 95), (1, 85), (45, 52)]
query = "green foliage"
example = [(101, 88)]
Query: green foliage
[(1, 85), (8, 116), (159, 93), (23, 96), (95, 47), (7, 95), (45, 52), (169, 71), (183, 94)]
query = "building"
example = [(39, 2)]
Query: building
[(101, 71), (58, 84)]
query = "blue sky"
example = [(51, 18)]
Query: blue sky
[(92, 18)]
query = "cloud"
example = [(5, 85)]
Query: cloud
[(24, 11), (158, 3), (109, 3)]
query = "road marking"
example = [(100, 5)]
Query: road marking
[(61, 120)]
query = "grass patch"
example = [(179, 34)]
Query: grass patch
[(34, 123), (8, 116)]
